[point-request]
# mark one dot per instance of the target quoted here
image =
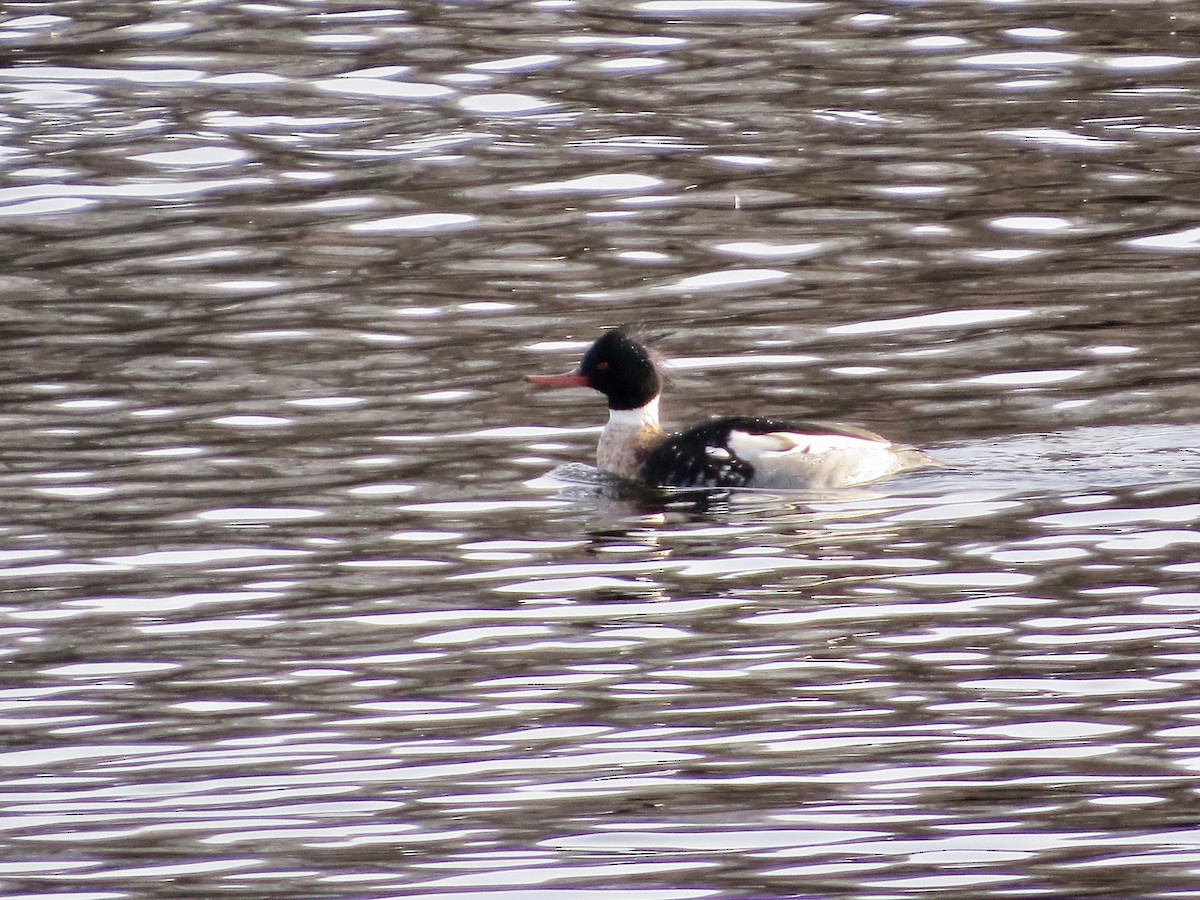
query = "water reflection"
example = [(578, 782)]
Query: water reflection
[(297, 589)]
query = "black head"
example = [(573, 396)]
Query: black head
[(622, 369)]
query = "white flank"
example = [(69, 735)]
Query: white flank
[(778, 443), (784, 459)]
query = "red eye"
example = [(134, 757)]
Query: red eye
[(603, 366)]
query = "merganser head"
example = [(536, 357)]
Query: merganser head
[(617, 366)]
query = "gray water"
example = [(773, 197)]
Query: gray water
[(306, 594)]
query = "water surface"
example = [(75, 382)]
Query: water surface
[(303, 592)]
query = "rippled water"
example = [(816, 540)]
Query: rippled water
[(304, 593)]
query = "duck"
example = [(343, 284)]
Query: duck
[(732, 452)]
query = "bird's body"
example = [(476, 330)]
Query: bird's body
[(740, 451)]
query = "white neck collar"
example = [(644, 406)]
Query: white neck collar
[(635, 418)]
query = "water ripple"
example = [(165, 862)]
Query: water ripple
[(302, 591)]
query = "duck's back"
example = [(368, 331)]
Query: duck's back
[(772, 453)]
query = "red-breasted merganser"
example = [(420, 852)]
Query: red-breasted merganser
[(733, 452)]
